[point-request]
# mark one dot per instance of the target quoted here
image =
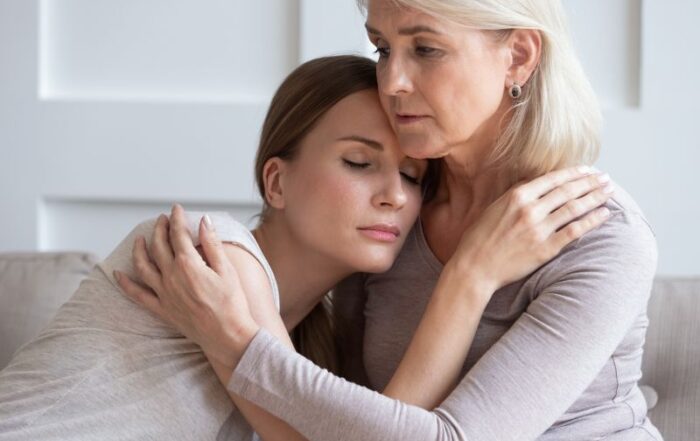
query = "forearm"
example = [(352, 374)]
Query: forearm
[(431, 366), (265, 314), (322, 406), (266, 425)]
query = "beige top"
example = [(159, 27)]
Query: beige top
[(106, 369)]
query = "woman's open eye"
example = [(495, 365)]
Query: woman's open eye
[(353, 164), (381, 50), (426, 51)]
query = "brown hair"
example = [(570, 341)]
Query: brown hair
[(301, 100)]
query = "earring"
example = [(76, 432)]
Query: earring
[(515, 91)]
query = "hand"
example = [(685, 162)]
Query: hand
[(206, 303), (530, 224)]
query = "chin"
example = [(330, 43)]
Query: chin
[(376, 263), (420, 146)]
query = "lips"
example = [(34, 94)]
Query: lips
[(407, 118), (382, 232)]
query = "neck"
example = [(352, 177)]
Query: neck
[(303, 275), (469, 182)]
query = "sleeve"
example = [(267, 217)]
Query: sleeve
[(227, 229), (349, 299), (588, 300)]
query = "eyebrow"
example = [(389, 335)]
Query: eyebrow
[(406, 31), (369, 142)]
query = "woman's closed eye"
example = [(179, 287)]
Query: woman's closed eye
[(356, 164), (410, 178)]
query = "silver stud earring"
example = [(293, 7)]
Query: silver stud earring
[(515, 91)]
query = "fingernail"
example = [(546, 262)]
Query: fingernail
[(207, 222), (604, 178), (584, 169), (609, 189), (117, 276), (604, 212)]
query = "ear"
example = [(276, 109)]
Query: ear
[(273, 179), (525, 47)]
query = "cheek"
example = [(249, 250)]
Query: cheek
[(413, 207), (385, 101), (327, 195), (468, 102)]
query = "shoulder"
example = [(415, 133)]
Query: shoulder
[(243, 253), (623, 250), (626, 234), (240, 245)]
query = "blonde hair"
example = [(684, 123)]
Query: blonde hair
[(556, 122)]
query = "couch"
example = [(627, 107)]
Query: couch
[(34, 285)]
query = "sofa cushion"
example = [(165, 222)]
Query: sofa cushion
[(671, 363), (32, 288)]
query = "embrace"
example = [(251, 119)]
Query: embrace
[(435, 259)]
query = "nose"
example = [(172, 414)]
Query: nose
[(393, 77), (391, 194)]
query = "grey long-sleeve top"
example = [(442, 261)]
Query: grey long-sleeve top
[(556, 356)]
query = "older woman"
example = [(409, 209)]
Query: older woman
[(493, 89)]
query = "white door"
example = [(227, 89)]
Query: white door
[(112, 110)]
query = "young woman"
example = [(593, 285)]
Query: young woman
[(341, 198), (493, 89)]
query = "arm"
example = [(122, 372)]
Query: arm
[(256, 285), (517, 389), (434, 358), (522, 230), (430, 369), (251, 279)]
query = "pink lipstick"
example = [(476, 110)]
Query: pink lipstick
[(381, 232)]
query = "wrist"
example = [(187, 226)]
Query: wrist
[(237, 340), (472, 279)]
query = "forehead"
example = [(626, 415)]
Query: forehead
[(387, 16), (357, 114)]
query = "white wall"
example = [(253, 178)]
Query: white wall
[(109, 111)]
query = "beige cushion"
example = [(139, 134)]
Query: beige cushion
[(32, 288), (672, 357), (34, 285)]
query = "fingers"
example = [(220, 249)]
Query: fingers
[(160, 248), (212, 246), (569, 195), (142, 296), (577, 229), (180, 237), (576, 208), (538, 187), (145, 268)]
